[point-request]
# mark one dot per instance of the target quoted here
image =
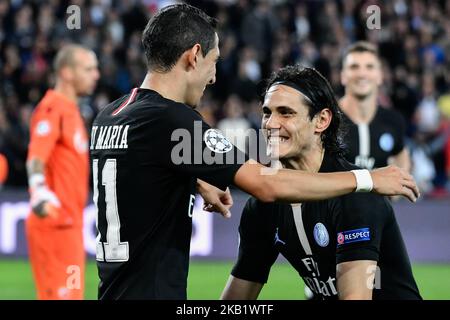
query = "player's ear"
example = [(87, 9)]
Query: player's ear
[(193, 56), (66, 73), (323, 120), (343, 78), (380, 75)]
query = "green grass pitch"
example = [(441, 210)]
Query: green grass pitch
[(207, 279)]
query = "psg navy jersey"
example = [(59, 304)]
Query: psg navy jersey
[(370, 145), (147, 153), (316, 236)]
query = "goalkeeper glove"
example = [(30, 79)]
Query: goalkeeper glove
[(42, 200)]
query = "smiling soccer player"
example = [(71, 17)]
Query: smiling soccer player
[(348, 247)]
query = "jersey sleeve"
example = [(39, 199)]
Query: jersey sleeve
[(45, 130), (359, 227), (196, 149), (257, 252)]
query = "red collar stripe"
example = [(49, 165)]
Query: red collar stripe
[(126, 102)]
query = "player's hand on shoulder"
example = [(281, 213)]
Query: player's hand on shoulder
[(392, 180), (215, 200)]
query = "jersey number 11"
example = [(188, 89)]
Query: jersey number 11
[(113, 250)]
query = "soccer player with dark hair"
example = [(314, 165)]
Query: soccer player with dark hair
[(347, 247), (152, 152), (375, 134)]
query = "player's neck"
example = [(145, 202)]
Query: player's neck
[(360, 111), (167, 85), (67, 90), (309, 161)]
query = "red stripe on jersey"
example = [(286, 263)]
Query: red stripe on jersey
[(127, 102)]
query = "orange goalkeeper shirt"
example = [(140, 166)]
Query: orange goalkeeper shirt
[(58, 138)]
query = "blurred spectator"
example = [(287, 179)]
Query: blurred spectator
[(249, 73), (302, 25), (422, 167), (257, 29), (235, 125), (427, 114)]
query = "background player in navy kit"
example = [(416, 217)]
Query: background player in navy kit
[(336, 245), (375, 134), (145, 183)]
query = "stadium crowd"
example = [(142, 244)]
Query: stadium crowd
[(256, 38)]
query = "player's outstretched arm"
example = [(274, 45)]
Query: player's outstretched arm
[(239, 289), (355, 279), (297, 186)]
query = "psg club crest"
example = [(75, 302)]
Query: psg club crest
[(386, 142), (321, 235), (216, 141)]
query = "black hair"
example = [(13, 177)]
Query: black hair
[(172, 31), (320, 96)]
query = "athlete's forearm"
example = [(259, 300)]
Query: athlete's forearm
[(355, 279), (297, 186), (270, 185), (35, 166), (43, 201), (239, 289)]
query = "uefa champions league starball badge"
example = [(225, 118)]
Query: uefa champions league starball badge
[(216, 141)]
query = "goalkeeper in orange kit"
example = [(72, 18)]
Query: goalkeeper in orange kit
[(58, 177)]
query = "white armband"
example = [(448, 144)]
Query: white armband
[(364, 181)]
